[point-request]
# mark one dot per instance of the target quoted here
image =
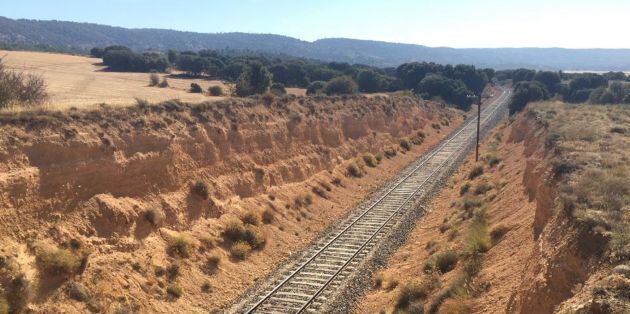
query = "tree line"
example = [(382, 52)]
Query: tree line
[(254, 73), (531, 85)]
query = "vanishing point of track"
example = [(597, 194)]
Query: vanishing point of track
[(301, 288)]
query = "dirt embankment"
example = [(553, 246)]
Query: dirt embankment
[(156, 208), (500, 238)]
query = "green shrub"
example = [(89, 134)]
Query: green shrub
[(342, 85), (172, 271), (254, 237), (316, 87), (390, 152), (200, 189), (354, 170), (251, 218), (175, 290), (268, 216), (337, 181), (78, 292), (180, 245), (302, 200), (442, 261), (405, 144), (58, 261), (213, 261), (208, 242), (154, 79), (464, 188), (318, 190), (18, 294), (206, 287), (477, 236), (491, 159), (497, 233), (256, 79), (476, 171), (153, 217), (482, 188), (240, 250), (195, 88), (215, 90), (412, 291), (370, 160), (234, 230), (379, 158), (163, 84), (469, 202), (278, 89), (326, 186)]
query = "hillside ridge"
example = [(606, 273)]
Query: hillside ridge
[(80, 37)]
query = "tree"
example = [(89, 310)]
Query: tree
[(97, 52), (215, 90), (195, 88), (370, 81), (551, 81), (522, 75), (255, 80), (341, 86), (525, 92), (316, 87), (278, 89), (20, 89), (451, 91)]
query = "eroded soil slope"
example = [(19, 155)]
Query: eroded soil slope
[(540, 225), (176, 207)]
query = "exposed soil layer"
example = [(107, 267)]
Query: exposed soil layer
[(539, 259), (141, 196)]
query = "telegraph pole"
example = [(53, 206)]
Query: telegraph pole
[(478, 124)]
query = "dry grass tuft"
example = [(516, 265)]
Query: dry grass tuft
[(369, 160), (200, 189), (354, 170), (405, 144), (413, 291), (240, 250), (442, 262), (476, 171), (60, 261), (251, 218), (180, 245), (175, 291)]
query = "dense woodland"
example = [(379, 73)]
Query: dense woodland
[(531, 85), (254, 73)]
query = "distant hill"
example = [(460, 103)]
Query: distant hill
[(80, 37)]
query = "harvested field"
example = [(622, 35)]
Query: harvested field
[(78, 81)]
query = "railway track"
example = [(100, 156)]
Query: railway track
[(307, 285)]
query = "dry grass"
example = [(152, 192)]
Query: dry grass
[(180, 245), (76, 81), (591, 164), (251, 218), (370, 160), (476, 171), (413, 291), (442, 262), (355, 170), (175, 290), (478, 236), (60, 261), (240, 250)]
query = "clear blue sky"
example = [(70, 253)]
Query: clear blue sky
[(453, 23)]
